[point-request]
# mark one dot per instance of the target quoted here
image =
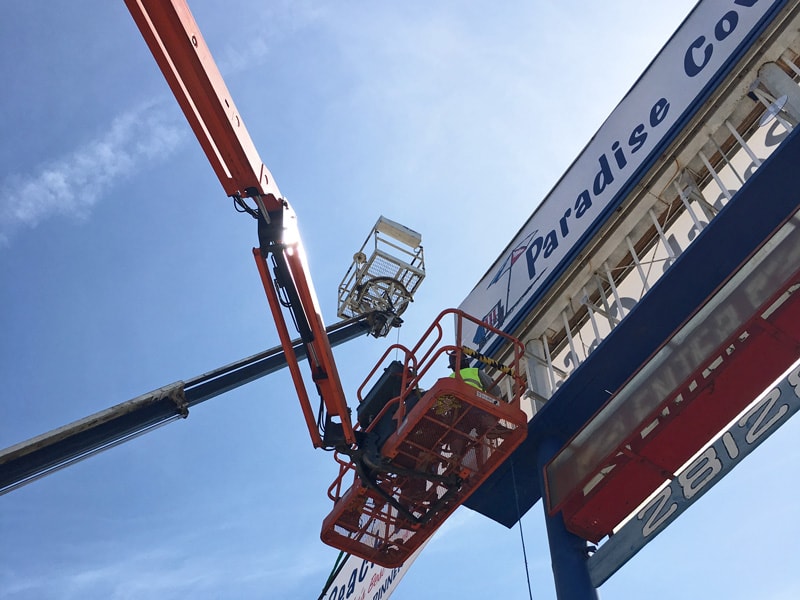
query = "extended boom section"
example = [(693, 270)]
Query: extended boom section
[(32, 459), (176, 43), (175, 40)]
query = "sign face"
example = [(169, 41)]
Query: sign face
[(671, 89), (359, 579), (754, 426)]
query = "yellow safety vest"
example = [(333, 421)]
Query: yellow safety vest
[(471, 376)]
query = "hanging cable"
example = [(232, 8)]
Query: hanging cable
[(337, 567), (397, 350), (241, 206), (521, 536)]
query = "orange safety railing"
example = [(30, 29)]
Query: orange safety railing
[(426, 450)]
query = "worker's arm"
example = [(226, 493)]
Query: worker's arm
[(489, 385)]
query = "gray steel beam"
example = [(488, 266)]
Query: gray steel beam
[(39, 456)]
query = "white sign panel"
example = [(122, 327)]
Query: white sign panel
[(649, 116), (359, 579)]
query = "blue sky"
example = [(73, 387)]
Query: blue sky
[(123, 267)]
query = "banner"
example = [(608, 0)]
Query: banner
[(359, 579)]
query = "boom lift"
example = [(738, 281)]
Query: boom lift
[(416, 455), (180, 51), (44, 454), (422, 453)]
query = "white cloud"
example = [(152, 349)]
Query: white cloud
[(72, 184), (269, 26)]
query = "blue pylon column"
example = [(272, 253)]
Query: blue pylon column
[(568, 553)]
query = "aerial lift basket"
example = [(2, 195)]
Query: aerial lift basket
[(430, 449), (384, 275)]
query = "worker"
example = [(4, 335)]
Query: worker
[(477, 423), (472, 375)]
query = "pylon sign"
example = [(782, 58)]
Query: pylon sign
[(709, 41), (760, 421), (359, 579)]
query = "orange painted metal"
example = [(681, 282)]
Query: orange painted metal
[(286, 342), (181, 52), (175, 41), (320, 355), (444, 443)]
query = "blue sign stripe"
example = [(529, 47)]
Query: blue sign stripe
[(542, 282)]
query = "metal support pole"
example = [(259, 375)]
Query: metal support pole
[(614, 291), (568, 552), (670, 250), (779, 84), (688, 206), (591, 310), (723, 188), (606, 312), (571, 340), (638, 263), (767, 100), (549, 359), (743, 143), (540, 374), (726, 159)]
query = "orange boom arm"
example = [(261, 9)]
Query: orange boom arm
[(174, 39)]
